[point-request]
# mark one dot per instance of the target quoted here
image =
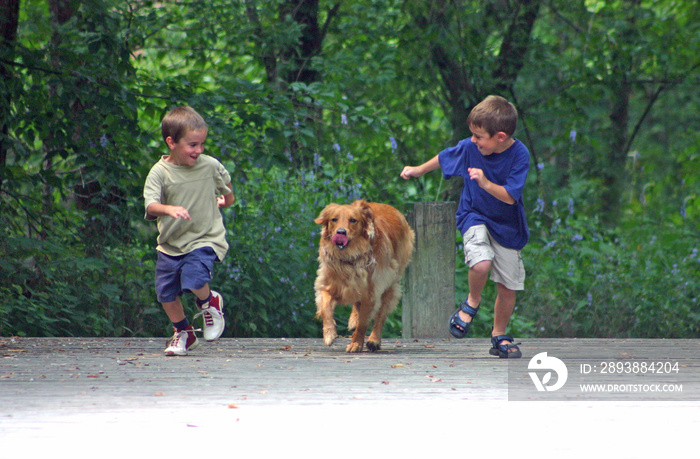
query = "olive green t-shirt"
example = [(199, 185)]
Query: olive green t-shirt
[(195, 188)]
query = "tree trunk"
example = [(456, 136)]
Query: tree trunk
[(615, 174), (305, 13), (298, 59), (60, 12), (267, 53), (293, 62), (9, 21), (511, 55), (461, 94)]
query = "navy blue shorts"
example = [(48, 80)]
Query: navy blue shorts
[(175, 275)]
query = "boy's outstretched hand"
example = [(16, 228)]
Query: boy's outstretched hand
[(417, 171), (410, 171)]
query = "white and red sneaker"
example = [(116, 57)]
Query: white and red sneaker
[(212, 314), (182, 341)]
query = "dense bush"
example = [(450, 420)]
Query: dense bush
[(613, 199), (50, 289), (639, 280)]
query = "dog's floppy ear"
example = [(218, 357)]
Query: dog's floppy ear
[(321, 219), (324, 217), (368, 215)]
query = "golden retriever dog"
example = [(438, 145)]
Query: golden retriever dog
[(364, 250)]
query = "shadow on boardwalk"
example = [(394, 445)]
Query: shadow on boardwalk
[(255, 395)]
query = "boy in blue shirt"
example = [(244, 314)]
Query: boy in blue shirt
[(490, 215)]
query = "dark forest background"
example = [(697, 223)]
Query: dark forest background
[(311, 102)]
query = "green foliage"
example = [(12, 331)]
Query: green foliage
[(267, 277), (80, 113), (50, 288), (638, 282)]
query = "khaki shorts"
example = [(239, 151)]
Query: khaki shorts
[(506, 264)]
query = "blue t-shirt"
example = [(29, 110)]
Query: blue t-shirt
[(506, 223)]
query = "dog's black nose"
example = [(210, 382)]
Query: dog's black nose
[(341, 231)]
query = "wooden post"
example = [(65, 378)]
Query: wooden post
[(429, 284)]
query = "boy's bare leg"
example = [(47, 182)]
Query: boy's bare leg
[(202, 293), (174, 310), (478, 276), (502, 310), (176, 314)]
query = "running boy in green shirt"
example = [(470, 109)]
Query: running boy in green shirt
[(184, 192)]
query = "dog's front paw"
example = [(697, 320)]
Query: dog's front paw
[(329, 336), (354, 347)]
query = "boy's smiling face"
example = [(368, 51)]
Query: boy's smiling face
[(186, 151), (489, 144)]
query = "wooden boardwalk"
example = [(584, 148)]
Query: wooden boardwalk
[(418, 394)]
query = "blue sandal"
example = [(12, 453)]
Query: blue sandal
[(458, 327), (503, 351)]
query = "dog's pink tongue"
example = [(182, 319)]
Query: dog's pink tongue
[(339, 239)]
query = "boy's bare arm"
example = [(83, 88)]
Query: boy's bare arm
[(417, 171), (225, 200), (157, 209), (497, 191)]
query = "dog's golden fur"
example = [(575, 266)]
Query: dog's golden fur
[(363, 253)]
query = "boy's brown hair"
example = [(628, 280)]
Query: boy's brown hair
[(494, 114), (179, 120)]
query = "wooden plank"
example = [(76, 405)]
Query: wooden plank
[(88, 395), (429, 284), (78, 374)]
